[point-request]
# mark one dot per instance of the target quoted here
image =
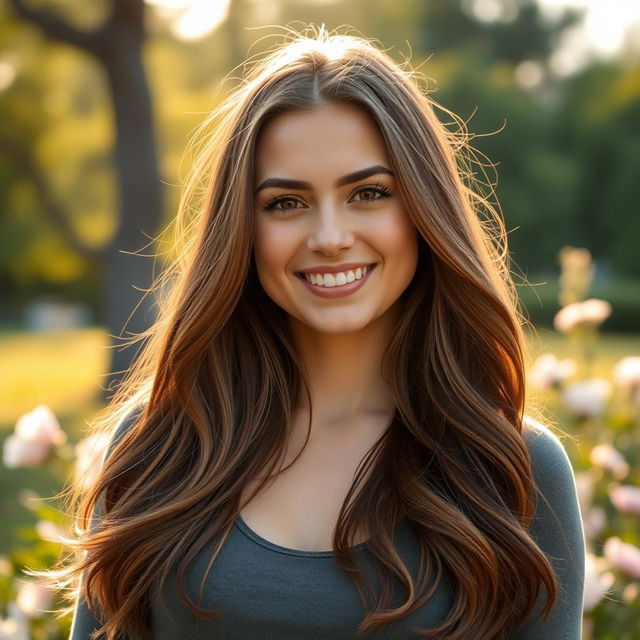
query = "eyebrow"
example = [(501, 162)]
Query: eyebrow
[(302, 185)]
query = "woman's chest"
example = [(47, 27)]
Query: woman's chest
[(274, 593), (299, 508)]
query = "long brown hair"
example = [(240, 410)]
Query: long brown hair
[(214, 384)]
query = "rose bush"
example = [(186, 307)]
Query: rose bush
[(604, 414), (28, 605)]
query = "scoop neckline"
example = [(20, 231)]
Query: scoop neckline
[(250, 533)]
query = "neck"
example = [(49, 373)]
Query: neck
[(344, 371)]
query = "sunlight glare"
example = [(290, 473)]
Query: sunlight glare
[(606, 23), (169, 4), (192, 19), (200, 19)]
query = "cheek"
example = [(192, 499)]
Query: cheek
[(397, 240), (274, 248)]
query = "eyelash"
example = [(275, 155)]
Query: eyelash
[(381, 189)]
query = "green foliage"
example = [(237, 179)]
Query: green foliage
[(601, 407), (565, 153), (566, 156)]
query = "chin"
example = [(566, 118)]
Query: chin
[(338, 328)]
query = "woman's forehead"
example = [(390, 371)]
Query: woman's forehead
[(337, 138)]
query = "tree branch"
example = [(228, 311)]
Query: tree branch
[(52, 26), (129, 14)]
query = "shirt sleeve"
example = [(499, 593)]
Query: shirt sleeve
[(84, 622), (557, 529)]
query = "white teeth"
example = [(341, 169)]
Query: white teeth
[(336, 279)]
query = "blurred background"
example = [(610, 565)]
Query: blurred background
[(97, 103)]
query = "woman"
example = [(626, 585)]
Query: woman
[(324, 436)]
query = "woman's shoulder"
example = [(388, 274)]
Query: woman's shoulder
[(548, 454), (557, 530), (557, 508), (123, 426)]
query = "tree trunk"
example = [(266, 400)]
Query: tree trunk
[(128, 276), (117, 45)]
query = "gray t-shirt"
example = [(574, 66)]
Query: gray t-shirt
[(271, 592)]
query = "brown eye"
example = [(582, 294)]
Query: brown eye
[(371, 194), (282, 203)]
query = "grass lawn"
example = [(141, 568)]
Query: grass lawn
[(609, 350), (65, 371), (62, 370)]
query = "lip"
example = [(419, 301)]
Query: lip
[(347, 266), (340, 291)]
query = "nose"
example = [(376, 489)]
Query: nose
[(330, 233)]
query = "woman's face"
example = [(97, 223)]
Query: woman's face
[(326, 205)]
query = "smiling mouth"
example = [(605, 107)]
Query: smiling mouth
[(338, 279)]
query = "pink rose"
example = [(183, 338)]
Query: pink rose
[(606, 456), (547, 370), (592, 311), (35, 434), (625, 498), (587, 398), (623, 556), (626, 375)]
